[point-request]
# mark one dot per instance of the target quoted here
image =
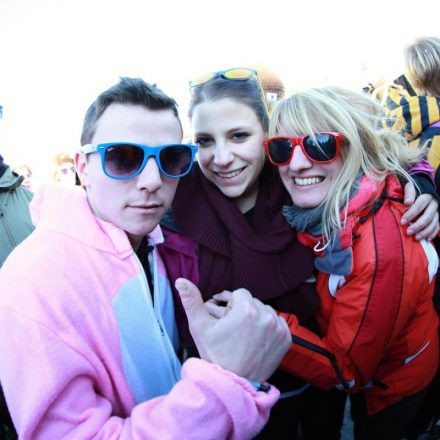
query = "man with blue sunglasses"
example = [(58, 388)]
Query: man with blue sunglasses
[(87, 323)]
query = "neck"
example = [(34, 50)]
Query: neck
[(135, 240), (248, 200)]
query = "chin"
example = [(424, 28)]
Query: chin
[(306, 203), (231, 192), (141, 229)]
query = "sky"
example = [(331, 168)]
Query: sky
[(57, 55)]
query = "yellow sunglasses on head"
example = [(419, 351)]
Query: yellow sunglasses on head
[(236, 74)]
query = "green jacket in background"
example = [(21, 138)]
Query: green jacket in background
[(15, 226), (15, 221)]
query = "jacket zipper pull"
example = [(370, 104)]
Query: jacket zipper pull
[(161, 329)]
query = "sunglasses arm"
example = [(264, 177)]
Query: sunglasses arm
[(89, 148)]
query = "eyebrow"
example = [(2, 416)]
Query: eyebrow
[(231, 130)]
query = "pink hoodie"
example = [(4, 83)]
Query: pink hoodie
[(86, 354)]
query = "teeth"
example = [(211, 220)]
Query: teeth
[(230, 174), (308, 181)]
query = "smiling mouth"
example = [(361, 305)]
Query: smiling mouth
[(308, 181), (229, 174)]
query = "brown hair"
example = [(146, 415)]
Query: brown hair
[(422, 60), (127, 91)]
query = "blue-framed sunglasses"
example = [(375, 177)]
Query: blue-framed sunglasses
[(125, 160)]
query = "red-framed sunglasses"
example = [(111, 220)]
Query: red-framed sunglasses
[(323, 149)]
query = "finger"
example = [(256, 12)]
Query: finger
[(215, 310), (271, 314), (429, 231), (416, 208), (428, 216), (257, 310), (264, 308), (419, 226), (285, 327), (269, 308), (193, 304), (410, 194), (242, 305), (224, 296), (240, 296)]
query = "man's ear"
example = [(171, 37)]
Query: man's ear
[(81, 168)]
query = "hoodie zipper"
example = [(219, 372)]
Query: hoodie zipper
[(166, 342)]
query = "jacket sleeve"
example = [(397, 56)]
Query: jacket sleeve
[(336, 359), (321, 361), (180, 257), (52, 392), (422, 167), (362, 317)]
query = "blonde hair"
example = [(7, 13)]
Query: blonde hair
[(367, 146), (61, 158), (422, 60)]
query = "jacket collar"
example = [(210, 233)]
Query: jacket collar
[(336, 256), (66, 211), (9, 180)]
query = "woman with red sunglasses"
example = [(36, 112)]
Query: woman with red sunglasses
[(375, 283), (227, 231)]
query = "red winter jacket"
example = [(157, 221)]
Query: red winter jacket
[(377, 315)]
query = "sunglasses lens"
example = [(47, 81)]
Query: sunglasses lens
[(123, 160), (323, 149), (279, 150), (176, 160), (202, 79), (238, 73)]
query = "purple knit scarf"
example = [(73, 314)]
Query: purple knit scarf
[(265, 257)]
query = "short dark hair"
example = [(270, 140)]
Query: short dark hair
[(246, 92), (127, 91)]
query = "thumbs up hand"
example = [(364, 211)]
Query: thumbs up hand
[(250, 340)]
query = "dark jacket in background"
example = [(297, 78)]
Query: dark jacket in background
[(15, 226), (15, 221)]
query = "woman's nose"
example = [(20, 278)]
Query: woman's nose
[(223, 155), (299, 160)]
